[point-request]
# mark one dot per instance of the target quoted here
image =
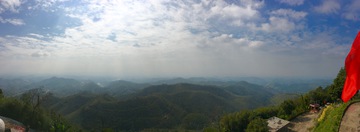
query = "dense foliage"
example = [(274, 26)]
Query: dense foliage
[(160, 107), (253, 120), (32, 115), (126, 106), (257, 125)]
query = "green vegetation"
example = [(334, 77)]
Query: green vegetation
[(32, 115), (281, 97), (331, 119), (300, 87), (195, 121), (257, 125), (126, 106), (160, 107), (289, 109), (335, 89), (240, 121), (1, 94)]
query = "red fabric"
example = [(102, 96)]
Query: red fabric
[(352, 67)]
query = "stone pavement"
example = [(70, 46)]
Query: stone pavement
[(303, 123), (351, 120)]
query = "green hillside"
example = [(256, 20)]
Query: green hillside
[(177, 106), (200, 104), (58, 86), (120, 88), (329, 120), (33, 116), (245, 120)]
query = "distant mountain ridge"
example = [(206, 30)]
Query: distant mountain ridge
[(117, 88), (65, 86), (13, 86), (164, 104)]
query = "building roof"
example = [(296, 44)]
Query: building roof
[(275, 123)]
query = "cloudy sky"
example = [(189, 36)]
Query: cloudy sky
[(170, 38)]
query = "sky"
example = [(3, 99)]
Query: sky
[(174, 38)]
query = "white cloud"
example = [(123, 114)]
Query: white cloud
[(151, 24), (47, 5), (24, 47), (36, 35), (282, 21), (296, 15), (236, 14), (10, 5), (278, 24), (292, 2), (16, 22), (352, 10), (328, 7), (167, 38), (227, 42)]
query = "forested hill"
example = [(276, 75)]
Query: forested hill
[(183, 106), (177, 104)]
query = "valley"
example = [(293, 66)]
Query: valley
[(182, 104)]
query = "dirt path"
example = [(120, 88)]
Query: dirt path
[(303, 123), (351, 120)]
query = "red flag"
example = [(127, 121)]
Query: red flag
[(352, 67)]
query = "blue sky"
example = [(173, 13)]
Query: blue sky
[(166, 38)]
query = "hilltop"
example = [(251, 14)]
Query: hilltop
[(161, 106), (179, 103)]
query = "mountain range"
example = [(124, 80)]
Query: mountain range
[(166, 104)]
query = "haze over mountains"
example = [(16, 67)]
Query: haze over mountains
[(187, 103), (213, 44), (64, 86)]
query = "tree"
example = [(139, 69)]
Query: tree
[(266, 112), (319, 95), (235, 122), (257, 125), (35, 97), (335, 89), (286, 108), (195, 121), (1, 94)]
